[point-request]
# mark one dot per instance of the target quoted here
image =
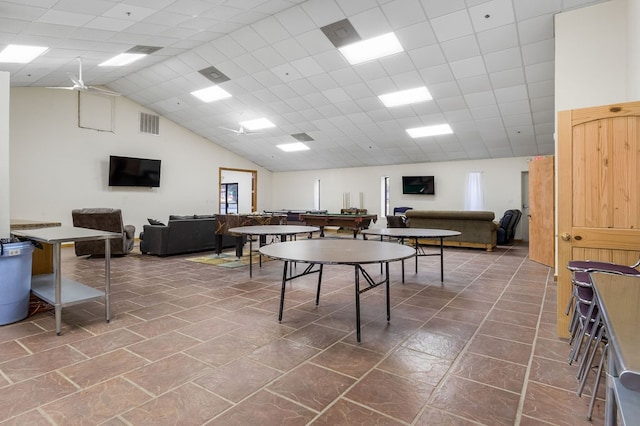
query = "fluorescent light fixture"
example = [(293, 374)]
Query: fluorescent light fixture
[(210, 94), (373, 48), (19, 54), (257, 124), (291, 147), (438, 129), (122, 59), (405, 97)]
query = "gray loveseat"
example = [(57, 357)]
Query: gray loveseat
[(182, 234), (477, 228)]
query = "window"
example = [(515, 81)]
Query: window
[(384, 196), (474, 196)]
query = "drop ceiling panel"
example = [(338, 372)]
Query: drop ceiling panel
[(491, 76), (536, 29), (460, 48), (453, 25), (436, 8), (371, 23), (403, 13), (416, 36), (498, 39), (492, 14), (296, 21), (427, 56)]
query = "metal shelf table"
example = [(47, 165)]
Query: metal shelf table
[(59, 291)]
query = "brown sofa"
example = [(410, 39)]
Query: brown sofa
[(104, 219), (477, 228)]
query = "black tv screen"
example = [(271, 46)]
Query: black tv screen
[(129, 171), (418, 185)]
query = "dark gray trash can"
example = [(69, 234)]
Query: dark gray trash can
[(15, 279)]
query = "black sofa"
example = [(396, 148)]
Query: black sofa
[(507, 228), (182, 234)]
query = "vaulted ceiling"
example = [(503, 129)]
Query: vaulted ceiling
[(489, 66)]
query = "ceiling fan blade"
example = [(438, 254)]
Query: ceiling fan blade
[(76, 81), (99, 91), (63, 88), (237, 132)]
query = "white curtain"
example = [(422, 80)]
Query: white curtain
[(474, 197), (316, 195)]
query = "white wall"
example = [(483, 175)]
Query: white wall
[(633, 49), (4, 154), (591, 65), (501, 183), (57, 166), (596, 59)]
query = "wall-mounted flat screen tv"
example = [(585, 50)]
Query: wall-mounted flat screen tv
[(129, 171), (418, 185)]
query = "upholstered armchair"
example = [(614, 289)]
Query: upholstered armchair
[(103, 219), (396, 222)]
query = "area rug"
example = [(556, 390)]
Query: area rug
[(228, 260)]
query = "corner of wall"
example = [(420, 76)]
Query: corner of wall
[(5, 209)]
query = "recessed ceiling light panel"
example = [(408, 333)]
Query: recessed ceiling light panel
[(211, 94), (373, 48), (257, 124), (122, 59), (19, 54), (405, 97), (438, 129), (291, 147)]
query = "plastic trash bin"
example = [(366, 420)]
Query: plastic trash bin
[(15, 279)]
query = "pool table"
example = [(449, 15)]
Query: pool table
[(355, 222)]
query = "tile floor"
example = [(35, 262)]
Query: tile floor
[(193, 344)]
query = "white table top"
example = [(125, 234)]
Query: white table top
[(341, 251), (411, 232), (273, 229), (60, 234)]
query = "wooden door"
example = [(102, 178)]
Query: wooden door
[(598, 190), (541, 211)]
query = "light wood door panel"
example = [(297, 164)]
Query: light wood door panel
[(541, 211), (598, 190)]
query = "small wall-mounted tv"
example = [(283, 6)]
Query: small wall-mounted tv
[(130, 171), (418, 185)]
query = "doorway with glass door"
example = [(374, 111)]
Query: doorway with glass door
[(229, 198)]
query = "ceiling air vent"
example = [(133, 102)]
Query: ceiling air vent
[(302, 137), (341, 33), (147, 50), (214, 74), (149, 123)]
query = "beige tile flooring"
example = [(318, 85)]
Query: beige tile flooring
[(193, 344)]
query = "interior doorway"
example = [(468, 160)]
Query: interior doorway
[(246, 189)]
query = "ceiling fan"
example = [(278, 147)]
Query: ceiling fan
[(241, 131), (80, 86)]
